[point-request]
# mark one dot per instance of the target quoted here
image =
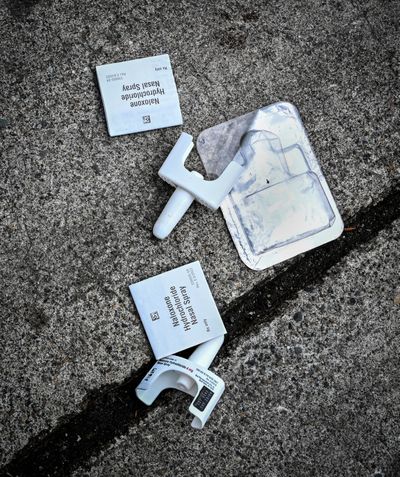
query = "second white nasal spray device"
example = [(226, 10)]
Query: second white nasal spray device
[(190, 186), (191, 376)]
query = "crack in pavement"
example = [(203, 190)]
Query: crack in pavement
[(110, 411), (269, 296)]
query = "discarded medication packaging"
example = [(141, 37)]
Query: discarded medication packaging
[(178, 312), (281, 204)]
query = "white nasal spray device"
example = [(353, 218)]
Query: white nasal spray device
[(190, 376), (190, 186)]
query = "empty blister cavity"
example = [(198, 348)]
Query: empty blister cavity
[(276, 204), (281, 204)]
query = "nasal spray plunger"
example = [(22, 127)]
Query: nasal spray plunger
[(190, 376), (190, 186)]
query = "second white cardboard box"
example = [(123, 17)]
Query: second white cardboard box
[(177, 310)]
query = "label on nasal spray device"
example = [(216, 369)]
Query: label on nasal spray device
[(177, 310)]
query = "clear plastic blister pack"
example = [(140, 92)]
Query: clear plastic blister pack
[(281, 205)]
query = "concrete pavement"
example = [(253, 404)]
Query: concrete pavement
[(316, 392), (78, 207)]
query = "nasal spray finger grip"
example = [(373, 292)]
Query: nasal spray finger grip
[(190, 186), (190, 376)]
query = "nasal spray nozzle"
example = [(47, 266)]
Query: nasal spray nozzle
[(190, 186), (203, 356), (190, 376)]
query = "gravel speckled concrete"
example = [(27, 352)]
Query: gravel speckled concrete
[(316, 393), (77, 207)]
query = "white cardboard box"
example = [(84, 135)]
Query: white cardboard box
[(177, 310), (139, 95)]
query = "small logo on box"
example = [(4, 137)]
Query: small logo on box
[(146, 120), (154, 316)]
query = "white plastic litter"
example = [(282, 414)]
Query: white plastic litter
[(280, 205), (190, 186), (191, 376)]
